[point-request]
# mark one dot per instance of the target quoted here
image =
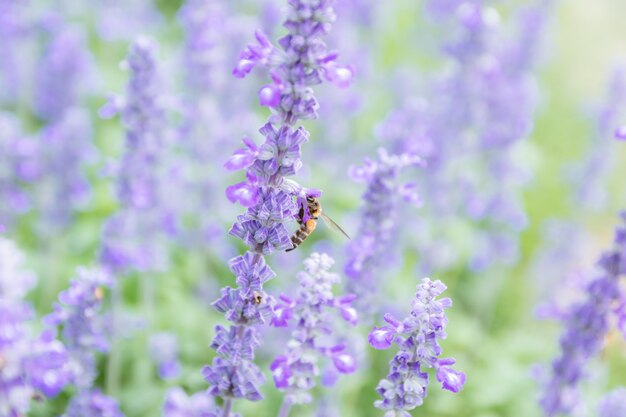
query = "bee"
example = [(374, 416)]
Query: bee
[(257, 297), (307, 227)]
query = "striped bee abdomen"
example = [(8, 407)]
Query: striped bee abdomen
[(302, 233)]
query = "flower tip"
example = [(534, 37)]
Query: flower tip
[(269, 96), (450, 379), (243, 193), (620, 133), (243, 68), (344, 363), (341, 75), (381, 337)]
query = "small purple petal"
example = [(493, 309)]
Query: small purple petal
[(246, 194), (381, 337), (345, 363), (243, 68), (450, 379)]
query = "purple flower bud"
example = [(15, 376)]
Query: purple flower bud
[(345, 363), (381, 337), (620, 133), (281, 371), (242, 158), (255, 54), (243, 193), (339, 75), (269, 95), (450, 379)]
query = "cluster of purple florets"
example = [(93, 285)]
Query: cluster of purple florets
[(417, 336), (30, 364), (296, 370), (586, 324)]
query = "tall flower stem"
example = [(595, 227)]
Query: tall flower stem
[(285, 407), (228, 405)]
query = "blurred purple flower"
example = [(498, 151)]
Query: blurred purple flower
[(588, 175), (93, 404), (120, 20), (417, 336), (29, 364), (163, 349), (586, 323), (467, 129), (65, 72), (613, 404), (296, 370), (368, 252), (179, 404), (16, 30), (66, 150), (22, 166), (135, 237), (85, 327)]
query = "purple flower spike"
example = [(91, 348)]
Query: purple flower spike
[(295, 371), (297, 63), (586, 325), (85, 330), (417, 337), (369, 251), (29, 364)]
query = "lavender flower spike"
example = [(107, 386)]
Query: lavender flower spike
[(417, 337), (85, 333), (296, 370), (266, 192), (585, 326), (369, 251), (28, 364), (134, 237)]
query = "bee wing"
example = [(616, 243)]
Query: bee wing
[(330, 222)]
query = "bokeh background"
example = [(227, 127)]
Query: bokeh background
[(495, 328)]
